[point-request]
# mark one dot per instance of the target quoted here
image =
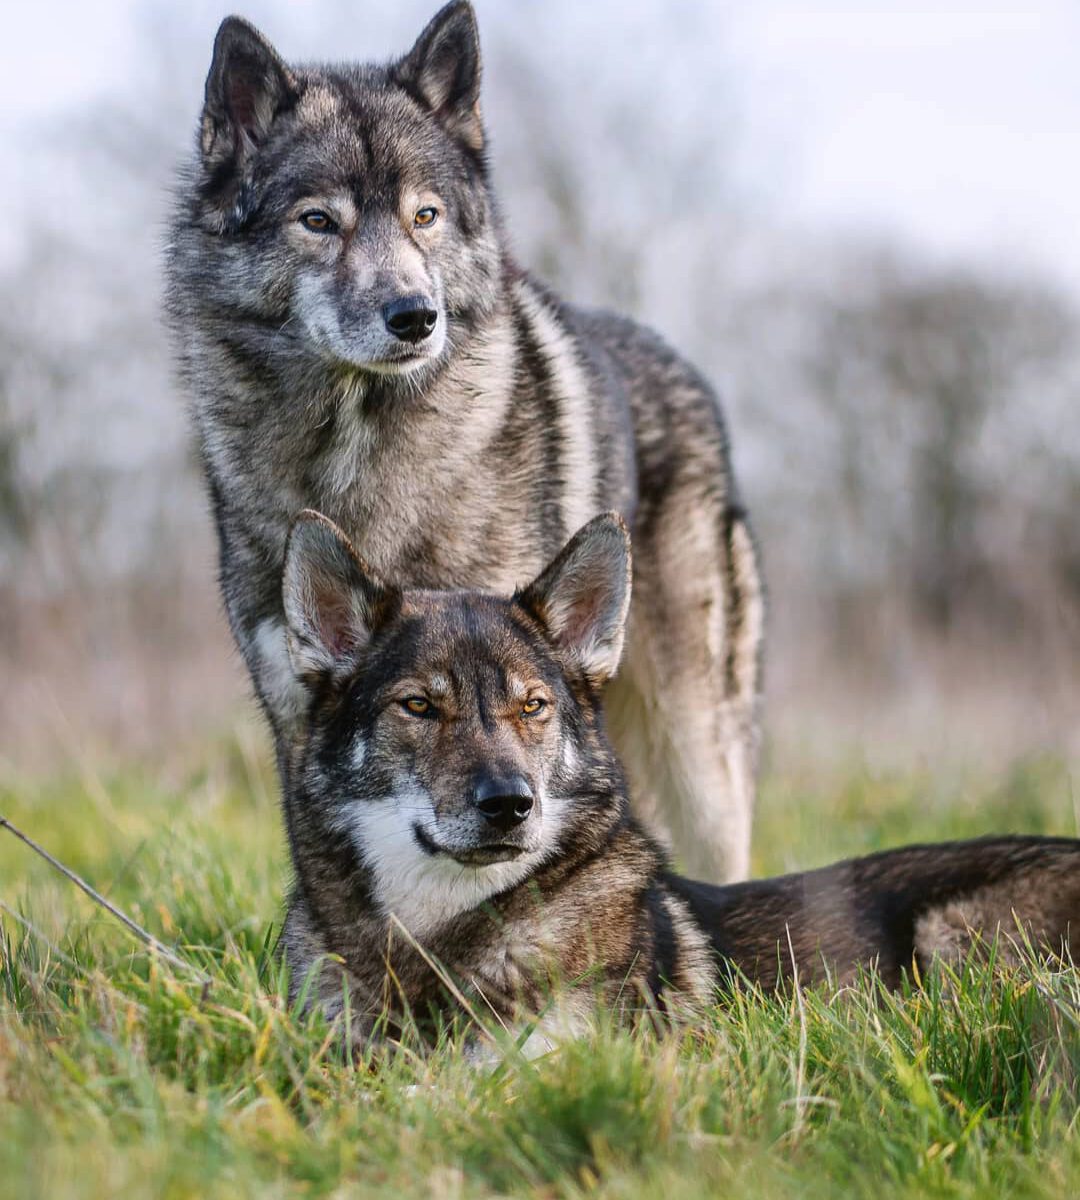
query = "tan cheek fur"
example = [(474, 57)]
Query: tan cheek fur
[(411, 203)]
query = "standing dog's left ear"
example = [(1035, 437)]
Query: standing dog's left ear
[(333, 602), (442, 71), (583, 597)]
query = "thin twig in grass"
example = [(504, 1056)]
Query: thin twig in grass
[(1024, 946), (125, 866), (447, 981), (143, 935), (800, 1070)]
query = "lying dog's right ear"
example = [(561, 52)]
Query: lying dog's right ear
[(333, 601), (583, 597)]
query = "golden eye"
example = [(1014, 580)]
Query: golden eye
[(417, 705), (317, 221), (426, 217), (531, 707)]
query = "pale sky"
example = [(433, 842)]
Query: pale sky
[(955, 126), (958, 124)]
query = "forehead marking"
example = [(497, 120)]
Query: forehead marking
[(455, 648), (439, 684), (317, 103)]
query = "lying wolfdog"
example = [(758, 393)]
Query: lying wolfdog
[(454, 799), (359, 339)]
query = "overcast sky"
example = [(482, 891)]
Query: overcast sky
[(956, 126)]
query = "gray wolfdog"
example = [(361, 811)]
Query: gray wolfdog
[(460, 825), (358, 339)]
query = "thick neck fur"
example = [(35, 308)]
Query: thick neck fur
[(375, 452), (497, 936)]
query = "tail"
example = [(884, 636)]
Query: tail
[(893, 908), (745, 633)]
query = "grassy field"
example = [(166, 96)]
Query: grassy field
[(121, 1076)]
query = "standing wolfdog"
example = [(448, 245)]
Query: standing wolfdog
[(358, 339)]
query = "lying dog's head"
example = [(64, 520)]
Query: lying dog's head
[(455, 737)]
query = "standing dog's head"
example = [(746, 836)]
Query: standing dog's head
[(454, 738), (347, 207)]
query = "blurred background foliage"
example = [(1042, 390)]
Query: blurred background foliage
[(904, 422)]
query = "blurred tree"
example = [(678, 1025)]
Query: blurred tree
[(14, 514), (955, 355), (919, 416), (905, 432)]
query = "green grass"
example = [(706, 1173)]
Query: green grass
[(121, 1076)]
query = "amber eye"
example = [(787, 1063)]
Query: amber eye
[(317, 221), (426, 217), (417, 705), (531, 707)]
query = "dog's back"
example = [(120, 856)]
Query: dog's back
[(894, 909)]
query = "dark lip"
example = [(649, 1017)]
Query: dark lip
[(482, 856), (377, 364), (397, 359), (403, 353), (474, 856)]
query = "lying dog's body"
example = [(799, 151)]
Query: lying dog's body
[(458, 814)]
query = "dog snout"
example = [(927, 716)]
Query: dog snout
[(411, 318), (503, 801)]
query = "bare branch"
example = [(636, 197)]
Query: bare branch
[(142, 934)]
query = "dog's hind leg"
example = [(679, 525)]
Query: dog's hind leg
[(683, 709)]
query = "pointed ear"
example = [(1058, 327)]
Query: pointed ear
[(248, 86), (442, 71), (583, 597), (333, 602)]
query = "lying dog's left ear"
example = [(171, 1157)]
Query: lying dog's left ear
[(583, 597), (333, 601)]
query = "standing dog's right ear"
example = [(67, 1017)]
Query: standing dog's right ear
[(247, 88), (333, 602)]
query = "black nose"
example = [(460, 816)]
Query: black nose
[(504, 801), (411, 318)]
